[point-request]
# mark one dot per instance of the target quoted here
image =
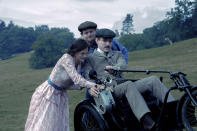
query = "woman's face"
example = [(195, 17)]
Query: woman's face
[(81, 55)]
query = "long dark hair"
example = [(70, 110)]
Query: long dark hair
[(76, 46)]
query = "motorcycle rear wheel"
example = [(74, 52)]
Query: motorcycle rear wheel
[(189, 113)]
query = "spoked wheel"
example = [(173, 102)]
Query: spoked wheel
[(189, 113), (86, 118)]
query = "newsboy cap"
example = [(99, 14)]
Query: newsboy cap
[(105, 33), (87, 25)]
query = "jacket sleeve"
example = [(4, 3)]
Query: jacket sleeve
[(116, 46), (68, 64), (87, 68), (121, 63)]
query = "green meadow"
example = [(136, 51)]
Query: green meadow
[(18, 81)]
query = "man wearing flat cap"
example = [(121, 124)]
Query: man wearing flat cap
[(103, 57), (88, 33)]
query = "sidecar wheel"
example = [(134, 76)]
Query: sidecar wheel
[(189, 113), (86, 118)]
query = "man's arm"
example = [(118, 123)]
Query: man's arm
[(87, 68), (95, 90), (121, 63), (116, 46)]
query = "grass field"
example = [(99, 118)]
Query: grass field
[(18, 81)]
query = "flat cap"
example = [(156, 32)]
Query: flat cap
[(87, 25), (105, 33)]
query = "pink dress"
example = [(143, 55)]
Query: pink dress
[(49, 109)]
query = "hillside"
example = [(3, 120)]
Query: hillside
[(18, 81), (180, 56)]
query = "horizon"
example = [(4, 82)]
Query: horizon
[(70, 13)]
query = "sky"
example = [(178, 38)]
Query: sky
[(70, 13)]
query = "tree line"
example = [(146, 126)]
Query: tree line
[(15, 39), (47, 44), (49, 47), (180, 24)]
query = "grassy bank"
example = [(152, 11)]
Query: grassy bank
[(18, 81)]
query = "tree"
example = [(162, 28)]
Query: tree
[(180, 24), (181, 19), (117, 33), (63, 34), (10, 25), (127, 25), (136, 42), (182, 10), (15, 39), (42, 28), (2, 25), (47, 50), (158, 33), (194, 19)]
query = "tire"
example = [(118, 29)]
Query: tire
[(86, 118), (189, 113)]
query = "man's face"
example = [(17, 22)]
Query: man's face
[(89, 35), (105, 44)]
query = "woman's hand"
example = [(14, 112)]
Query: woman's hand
[(94, 91)]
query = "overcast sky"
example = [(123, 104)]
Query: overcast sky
[(70, 13)]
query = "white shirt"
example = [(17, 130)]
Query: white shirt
[(102, 52)]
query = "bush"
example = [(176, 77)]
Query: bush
[(47, 50)]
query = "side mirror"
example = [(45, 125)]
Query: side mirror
[(93, 75)]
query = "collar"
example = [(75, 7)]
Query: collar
[(101, 52)]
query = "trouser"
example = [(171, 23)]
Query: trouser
[(133, 90)]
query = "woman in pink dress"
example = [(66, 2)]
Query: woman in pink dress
[(49, 110)]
